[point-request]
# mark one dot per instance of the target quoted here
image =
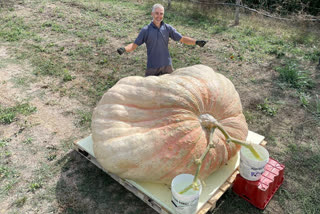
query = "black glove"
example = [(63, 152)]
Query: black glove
[(121, 50), (201, 43)]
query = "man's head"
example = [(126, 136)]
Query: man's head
[(157, 14)]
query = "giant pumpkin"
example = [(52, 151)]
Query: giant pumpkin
[(150, 128)]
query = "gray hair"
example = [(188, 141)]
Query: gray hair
[(154, 7)]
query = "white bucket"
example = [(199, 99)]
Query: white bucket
[(187, 202), (250, 167)]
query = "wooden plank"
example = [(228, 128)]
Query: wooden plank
[(225, 186), (233, 176), (205, 208), (263, 143)]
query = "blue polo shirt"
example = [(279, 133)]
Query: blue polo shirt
[(157, 40)]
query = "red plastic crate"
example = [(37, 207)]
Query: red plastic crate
[(259, 192)]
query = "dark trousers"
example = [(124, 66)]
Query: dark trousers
[(159, 71)]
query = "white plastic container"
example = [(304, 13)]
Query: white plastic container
[(187, 202), (252, 168)]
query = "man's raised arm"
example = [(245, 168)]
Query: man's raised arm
[(189, 41), (128, 48)]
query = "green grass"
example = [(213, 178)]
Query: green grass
[(295, 76), (51, 66), (102, 84), (20, 201), (54, 27), (84, 118), (34, 186), (304, 99), (3, 143), (184, 55), (22, 81), (267, 108), (313, 55), (303, 37), (313, 105), (9, 176), (67, 76), (27, 140), (67, 144), (305, 159), (13, 29), (7, 115)]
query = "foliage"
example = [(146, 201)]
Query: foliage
[(294, 76), (13, 29), (285, 7), (313, 106), (7, 115), (267, 108), (304, 99)]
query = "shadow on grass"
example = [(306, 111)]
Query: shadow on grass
[(84, 188), (232, 203)]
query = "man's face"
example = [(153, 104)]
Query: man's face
[(157, 15)]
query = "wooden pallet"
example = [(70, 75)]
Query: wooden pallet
[(127, 184), (146, 196)]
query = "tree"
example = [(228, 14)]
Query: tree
[(237, 13)]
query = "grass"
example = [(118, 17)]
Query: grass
[(9, 176), (267, 107), (50, 66), (84, 118), (7, 115), (294, 76), (70, 47), (305, 158), (13, 29), (27, 140), (313, 106), (20, 201)]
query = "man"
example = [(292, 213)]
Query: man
[(156, 36)]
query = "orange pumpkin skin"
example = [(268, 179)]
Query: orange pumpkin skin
[(148, 128)]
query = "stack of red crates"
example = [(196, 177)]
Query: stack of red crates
[(259, 192)]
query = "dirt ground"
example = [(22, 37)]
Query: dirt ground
[(46, 175)]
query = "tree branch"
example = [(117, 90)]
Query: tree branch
[(253, 10)]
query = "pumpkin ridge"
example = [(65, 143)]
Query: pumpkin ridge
[(145, 108), (192, 93), (197, 87), (147, 130), (207, 94), (204, 84), (153, 106), (137, 124), (169, 91), (169, 113)]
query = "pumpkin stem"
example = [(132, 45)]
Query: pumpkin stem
[(199, 163), (194, 184), (211, 124), (234, 140)]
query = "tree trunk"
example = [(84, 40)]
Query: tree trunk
[(237, 13), (169, 4)]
